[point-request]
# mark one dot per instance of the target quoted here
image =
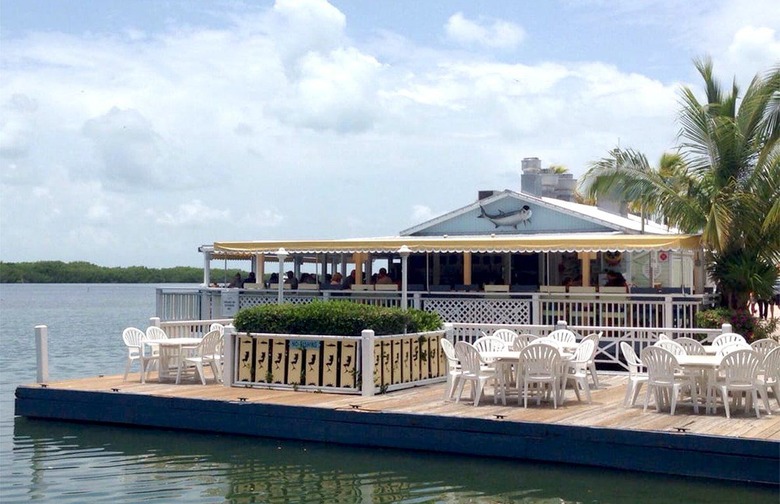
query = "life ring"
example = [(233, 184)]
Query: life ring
[(613, 258)]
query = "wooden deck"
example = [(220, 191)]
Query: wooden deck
[(606, 409), (741, 448)]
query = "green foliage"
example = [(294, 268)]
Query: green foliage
[(713, 319), (334, 318), (724, 181), (742, 322), (84, 272)]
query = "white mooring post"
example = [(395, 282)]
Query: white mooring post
[(726, 328), (227, 357), (561, 324), (42, 352), (367, 362)]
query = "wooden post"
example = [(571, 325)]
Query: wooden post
[(585, 267), (467, 268), (260, 268), (367, 362), (42, 352)]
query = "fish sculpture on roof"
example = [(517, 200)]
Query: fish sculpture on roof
[(522, 216)]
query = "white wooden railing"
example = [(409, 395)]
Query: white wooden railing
[(609, 355), (384, 356), (669, 309)]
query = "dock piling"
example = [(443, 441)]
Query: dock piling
[(42, 352)]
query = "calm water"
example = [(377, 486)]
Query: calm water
[(60, 462)]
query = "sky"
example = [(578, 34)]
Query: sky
[(134, 131)]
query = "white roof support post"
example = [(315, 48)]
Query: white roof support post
[(206, 268), (404, 252)]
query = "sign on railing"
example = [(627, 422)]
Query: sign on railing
[(333, 363), (284, 360)]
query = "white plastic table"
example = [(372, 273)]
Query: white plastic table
[(173, 349), (706, 364)]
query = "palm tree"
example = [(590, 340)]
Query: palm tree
[(724, 182)]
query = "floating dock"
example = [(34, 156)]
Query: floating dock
[(601, 434)]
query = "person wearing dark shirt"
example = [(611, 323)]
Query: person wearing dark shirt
[(291, 280)]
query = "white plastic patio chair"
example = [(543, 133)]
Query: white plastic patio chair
[(474, 372), (154, 332), (507, 335), (453, 367), (732, 346), (595, 337), (691, 346), (134, 339), (539, 364), (577, 369), (672, 346), (726, 338), (563, 335), (764, 346), (489, 344), (523, 340), (216, 326), (739, 373), (663, 336), (769, 373), (203, 354), (637, 376), (662, 381)]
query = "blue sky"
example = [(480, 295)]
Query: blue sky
[(132, 132)]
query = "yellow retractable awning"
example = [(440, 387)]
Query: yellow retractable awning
[(583, 242)]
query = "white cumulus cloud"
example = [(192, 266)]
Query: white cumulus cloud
[(491, 33)]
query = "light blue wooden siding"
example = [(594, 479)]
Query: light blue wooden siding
[(543, 220)]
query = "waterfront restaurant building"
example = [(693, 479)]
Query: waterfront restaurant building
[(507, 257), (504, 241)]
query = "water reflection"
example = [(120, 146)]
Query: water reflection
[(95, 463)]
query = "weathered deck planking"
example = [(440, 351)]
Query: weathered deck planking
[(604, 433), (606, 409)]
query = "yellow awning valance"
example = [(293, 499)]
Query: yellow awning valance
[(583, 242)]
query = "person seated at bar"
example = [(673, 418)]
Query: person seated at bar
[(615, 279), (350, 280), (291, 280), (383, 277), (250, 279), (336, 279), (236, 282), (308, 278)]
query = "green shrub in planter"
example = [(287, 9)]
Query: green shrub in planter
[(742, 322), (335, 318), (713, 319)]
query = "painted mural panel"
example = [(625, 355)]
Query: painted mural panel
[(262, 360), (347, 364), (246, 368), (513, 215), (330, 370)]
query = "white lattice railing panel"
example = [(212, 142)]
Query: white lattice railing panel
[(496, 311)]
